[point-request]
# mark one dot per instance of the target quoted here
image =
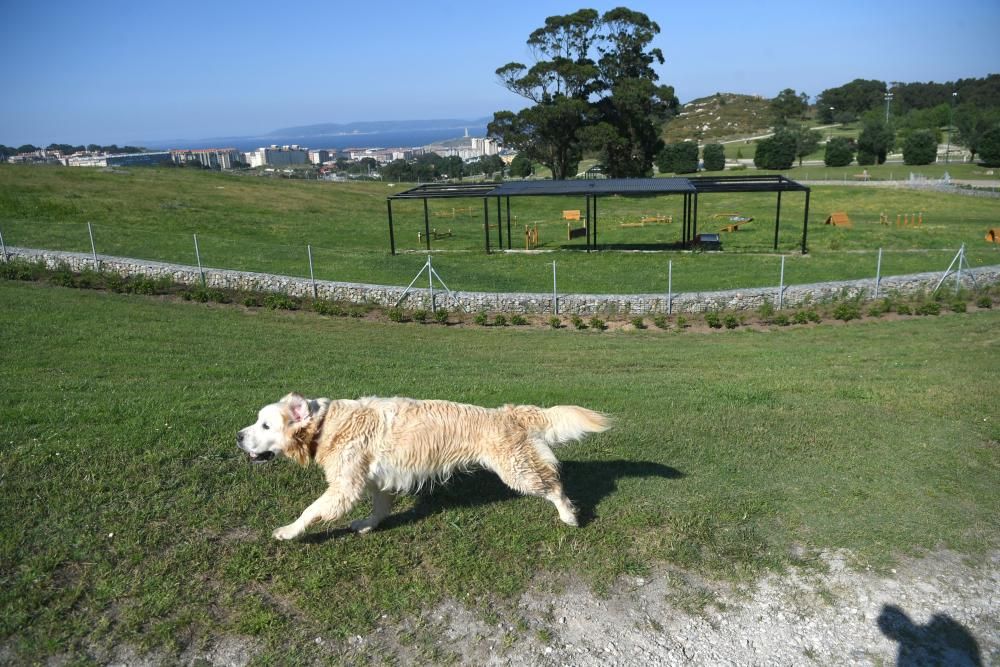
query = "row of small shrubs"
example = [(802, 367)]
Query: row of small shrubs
[(844, 310)]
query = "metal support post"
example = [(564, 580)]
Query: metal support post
[(670, 287), (197, 254), (555, 292), (781, 285), (93, 248), (878, 272), (312, 276)]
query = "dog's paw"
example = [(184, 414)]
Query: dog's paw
[(362, 526), (289, 532)]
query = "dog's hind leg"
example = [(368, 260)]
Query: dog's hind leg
[(381, 508), (333, 504), (528, 472)]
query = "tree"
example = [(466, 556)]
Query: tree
[(970, 125), (839, 152), (775, 152), (678, 158), (806, 140), (714, 156), (876, 139), (989, 147), (520, 167), (789, 105), (858, 96), (920, 147), (593, 86), (27, 148)]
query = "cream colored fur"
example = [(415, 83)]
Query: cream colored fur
[(387, 446)]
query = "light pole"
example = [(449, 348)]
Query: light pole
[(951, 111), (888, 100)]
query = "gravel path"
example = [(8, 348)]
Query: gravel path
[(932, 610)]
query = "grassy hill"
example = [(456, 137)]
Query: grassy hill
[(719, 116), (265, 224)]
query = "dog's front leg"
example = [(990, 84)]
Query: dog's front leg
[(332, 505)]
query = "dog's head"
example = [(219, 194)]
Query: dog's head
[(275, 429)]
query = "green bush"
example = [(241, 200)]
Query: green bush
[(481, 318), (682, 322), (597, 324), (989, 147), (776, 152), (920, 147), (839, 152), (766, 310), (714, 157), (441, 316), (18, 269), (395, 315), (730, 321), (929, 308), (903, 309), (638, 322), (253, 301), (984, 301), (325, 308), (959, 307), (578, 322), (280, 302), (713, 320), (500, 320), (555, 322), (847, 311), (806, 316), (661, 321), (420, 316), (781, 320), (518, 320), (678, 158)]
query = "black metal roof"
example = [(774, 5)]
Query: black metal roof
[(596, 186), (604, 186), (767, 183), (444, 190)]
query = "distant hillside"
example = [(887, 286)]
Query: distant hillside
[(377, 126), (719, 116)]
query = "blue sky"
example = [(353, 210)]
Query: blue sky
[(126, 71)]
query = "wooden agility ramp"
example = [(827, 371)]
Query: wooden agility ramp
[(839, 219)]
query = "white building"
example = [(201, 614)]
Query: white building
[(213, 158), (321, 155), (277, 156)]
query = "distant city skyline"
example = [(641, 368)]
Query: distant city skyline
[(123, 72)]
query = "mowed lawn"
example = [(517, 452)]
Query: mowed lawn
[(132, 518), (266, 224)]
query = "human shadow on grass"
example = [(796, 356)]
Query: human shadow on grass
[(585, 482), (942, 641)]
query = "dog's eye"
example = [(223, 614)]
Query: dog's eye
[(265, 426)]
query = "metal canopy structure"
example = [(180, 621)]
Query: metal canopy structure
[(591, 189)]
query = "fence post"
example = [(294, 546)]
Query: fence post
[(878, 272), (3, 248), (93, 248), (197, 254), (670, 287), (430, 279), (312, 276), (555, 293), (781, 285)]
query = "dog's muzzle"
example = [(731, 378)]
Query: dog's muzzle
[(262, 457)]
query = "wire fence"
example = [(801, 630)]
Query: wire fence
[(562, 271)]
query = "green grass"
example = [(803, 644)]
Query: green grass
[(265, 225), (131, 517)]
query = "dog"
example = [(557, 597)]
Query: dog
[(388, 446)]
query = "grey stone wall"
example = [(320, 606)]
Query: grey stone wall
[(582, 304)]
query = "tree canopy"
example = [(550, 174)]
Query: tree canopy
[(594, 87)]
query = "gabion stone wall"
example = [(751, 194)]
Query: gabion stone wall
[(581, 304)]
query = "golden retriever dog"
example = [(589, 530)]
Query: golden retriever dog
[(387, 446)]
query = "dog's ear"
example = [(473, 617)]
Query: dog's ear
[(299, 412)]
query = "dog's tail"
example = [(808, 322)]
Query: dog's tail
[(564, 423)]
